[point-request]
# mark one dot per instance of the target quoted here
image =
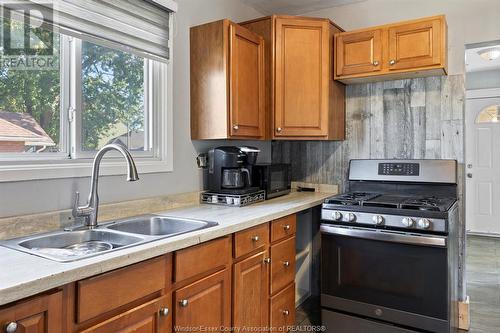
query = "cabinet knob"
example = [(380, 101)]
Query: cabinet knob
[(286, 227), (236, 127), (164, 312), (11, 327), (392, 62), (279, 129), (286, 312), (184, 303), (375, 63), (286, 263), (255, 238), (267, 260)]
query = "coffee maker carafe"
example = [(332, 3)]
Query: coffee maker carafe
[(230, 169)]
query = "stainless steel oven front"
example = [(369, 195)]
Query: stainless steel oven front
[(389, 276)]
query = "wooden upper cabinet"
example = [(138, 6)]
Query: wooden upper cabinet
[(414, 48), (415, 45), (359, 52), (227, 82), (42, 314), (302, 100), (246, 91), (302, 73)]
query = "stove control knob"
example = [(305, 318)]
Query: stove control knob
[(337, 216), (378, 219), (350, 217), (424, 223), (408, 222)]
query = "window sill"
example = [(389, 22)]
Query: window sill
[(77, 168)]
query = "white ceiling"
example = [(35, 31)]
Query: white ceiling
[(294, 7), (474, 63)]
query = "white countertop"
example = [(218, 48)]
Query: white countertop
[(23, 275)]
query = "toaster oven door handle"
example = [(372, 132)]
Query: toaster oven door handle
[(385, 236)]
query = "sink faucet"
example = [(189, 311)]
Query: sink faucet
[(89, 211)]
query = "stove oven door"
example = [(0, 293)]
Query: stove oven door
[(393, 277)]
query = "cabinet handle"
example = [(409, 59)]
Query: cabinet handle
[(286, 263), (279, 129), (184, 303), (236, 127), (392, 62), (255, 238), (286, 227), (267, 260), (11, 327), (164, 312), (375, 63), (286, 312)]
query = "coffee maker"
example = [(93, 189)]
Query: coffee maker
[(230, 169)]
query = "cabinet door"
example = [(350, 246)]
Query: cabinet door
[(151, 317), (205, 304), (247, 104), (415, 45), (250, 293), (38, 315), (358, 52), (282, 264), (282, 312), (302, 78)]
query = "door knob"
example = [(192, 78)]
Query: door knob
[(469, 175), (236, 127), (286, 312), (392, 62), (279, 129), (375, 63), (184, 303), (286, 263), (267, 260), (255, 238), (286, 227), (164, 312), (11, 327)]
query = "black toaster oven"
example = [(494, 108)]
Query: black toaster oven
[(275, 179)]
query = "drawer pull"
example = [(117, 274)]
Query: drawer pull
[(184, 303), (392, 62), (286, 227), (286, 263), (255, 238), (11, 327), (375, 63), (164, 312), (286, 312), (267, 260)]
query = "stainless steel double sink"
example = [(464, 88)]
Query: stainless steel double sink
[(67, 246)]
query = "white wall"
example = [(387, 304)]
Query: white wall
[(469, 21), (17, 198)]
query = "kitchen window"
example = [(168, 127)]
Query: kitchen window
[(101, 83)]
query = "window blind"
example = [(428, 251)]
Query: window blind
[(137, 25)]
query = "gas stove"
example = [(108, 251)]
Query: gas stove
[(389, 248)]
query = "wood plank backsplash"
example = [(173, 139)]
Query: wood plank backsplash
[(404, 119)]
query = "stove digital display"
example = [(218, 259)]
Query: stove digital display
[(399, 169)]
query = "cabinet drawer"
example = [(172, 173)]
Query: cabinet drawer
[(282, 309), (283, 227), (249, 240), (201, 258), (282, 264), (153, 316), (106, 292)]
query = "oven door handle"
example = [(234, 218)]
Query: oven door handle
[(385, 236)]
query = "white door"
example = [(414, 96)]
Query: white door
[(482, 150)]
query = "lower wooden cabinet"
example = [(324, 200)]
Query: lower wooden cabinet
[(42, 314), (205, 304), (282, 264), (250, 292), (152, 317), (282, 309)]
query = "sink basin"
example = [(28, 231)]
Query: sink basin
[(155, 225), (65, 246)]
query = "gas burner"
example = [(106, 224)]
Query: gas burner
[(433, 203), (352, 198)]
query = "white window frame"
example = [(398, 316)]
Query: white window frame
[(21, 167)]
